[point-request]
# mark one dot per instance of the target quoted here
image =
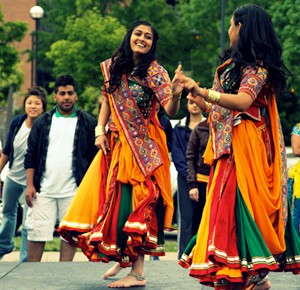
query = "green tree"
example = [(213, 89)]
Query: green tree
[(189, 32), (10, 70), (287, 23), (92, 33), (90, 38), (205, 19)]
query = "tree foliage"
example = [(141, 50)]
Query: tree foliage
[(78, 34), (51, 29), (90, 38), (10, 71), (287, 24)]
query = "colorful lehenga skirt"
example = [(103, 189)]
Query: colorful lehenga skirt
[(118, 213), (294, 195), (243, 231)]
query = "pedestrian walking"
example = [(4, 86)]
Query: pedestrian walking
[(60, 149), (14, 187)]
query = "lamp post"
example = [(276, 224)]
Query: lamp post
[(223, 8), (36, 13)]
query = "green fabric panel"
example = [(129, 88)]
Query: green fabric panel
[(125, 211), (160, 213), (292, 240), (188, 249), (249, 239)]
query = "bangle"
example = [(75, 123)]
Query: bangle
[(208, 106), (100, 130), (176, 97), (213, 96)]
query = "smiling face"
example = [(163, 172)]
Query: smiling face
[(233, 32), (141, 40), (66, 98), (33, 106)]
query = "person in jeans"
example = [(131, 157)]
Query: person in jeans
[(15, 182), (197, 171), (181, 136)]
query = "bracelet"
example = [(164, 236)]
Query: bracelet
[(208, 106), (100, 130), (213, 96), (176, 97)]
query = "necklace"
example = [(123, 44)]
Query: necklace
[(134, 70)]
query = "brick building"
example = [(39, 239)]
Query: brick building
[(18, 10)]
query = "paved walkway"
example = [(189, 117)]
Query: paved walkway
[(79, 257), (84, 275)]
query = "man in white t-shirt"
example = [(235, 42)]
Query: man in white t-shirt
[(60, 149)]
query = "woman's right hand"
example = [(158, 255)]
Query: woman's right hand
[(194, 194), (102, 143), (30, 195), (191, 86)]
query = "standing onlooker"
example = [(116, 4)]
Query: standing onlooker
[(60, 149), (15, 181), (294, 175), (245, 230), (197, 171), (165, 122), (181, 136)]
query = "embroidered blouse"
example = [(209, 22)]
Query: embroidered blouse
[(222, 120), (134, 104)]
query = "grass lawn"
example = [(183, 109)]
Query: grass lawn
[(53, 246)]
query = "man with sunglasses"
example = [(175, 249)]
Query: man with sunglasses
[(60, 149)]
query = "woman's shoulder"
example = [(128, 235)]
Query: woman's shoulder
[(17, 119), (156, 67), (108, 60), (296, 129), (258, 70)]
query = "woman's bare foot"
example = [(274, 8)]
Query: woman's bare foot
[(113, 271), (264, 286), (131, 280)]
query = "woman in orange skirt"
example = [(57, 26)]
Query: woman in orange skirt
[(125, 201), (246, 228)]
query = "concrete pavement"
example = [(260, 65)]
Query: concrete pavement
[(84, 275), (79, 257)]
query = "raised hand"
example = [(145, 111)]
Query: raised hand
[(177, 84)]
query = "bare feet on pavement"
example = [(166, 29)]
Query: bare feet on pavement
[(113, 271), (131, 280), (265, 286)]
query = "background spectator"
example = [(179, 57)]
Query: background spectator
[(294, 179), (15, 182), (60, 149), (181, 136)]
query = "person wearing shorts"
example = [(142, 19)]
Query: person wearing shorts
[(60, 149)]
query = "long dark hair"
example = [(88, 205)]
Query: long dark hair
[(257, 45), (122, 61)]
